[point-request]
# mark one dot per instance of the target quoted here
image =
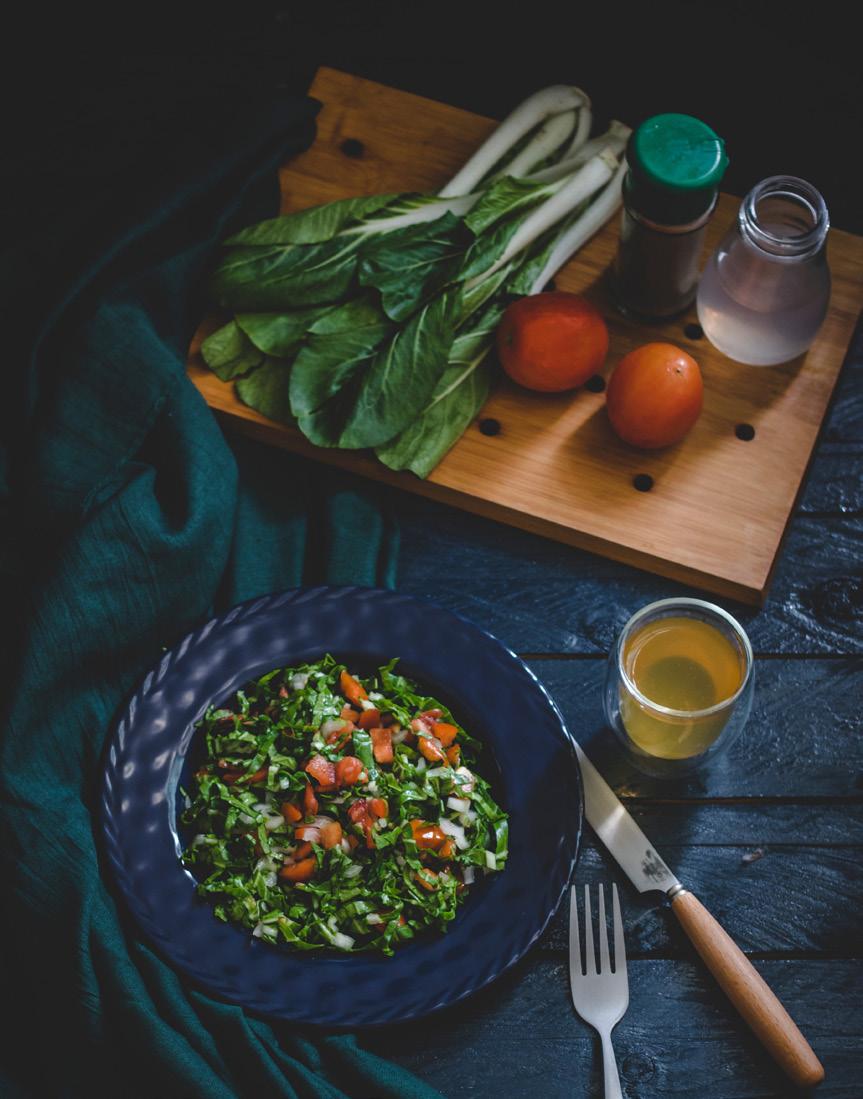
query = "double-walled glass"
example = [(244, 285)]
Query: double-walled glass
[(693, 655), (765, 290)]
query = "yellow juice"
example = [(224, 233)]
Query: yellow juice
[(683, 664)]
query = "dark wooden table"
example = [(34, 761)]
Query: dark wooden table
[(770, 839)]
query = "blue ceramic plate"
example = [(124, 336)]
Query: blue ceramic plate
[(530, 762)]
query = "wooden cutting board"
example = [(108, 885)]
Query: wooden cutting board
[(718, 504)]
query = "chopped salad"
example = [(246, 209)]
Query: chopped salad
[(339, 811)]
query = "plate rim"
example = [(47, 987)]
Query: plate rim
[(109, 840)]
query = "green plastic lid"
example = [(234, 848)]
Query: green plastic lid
[(676, 164)]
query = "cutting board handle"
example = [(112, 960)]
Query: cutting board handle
[(748, 991)]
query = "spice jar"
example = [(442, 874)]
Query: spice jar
[(765, 290), (675, 165)]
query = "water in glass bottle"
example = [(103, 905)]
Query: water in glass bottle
[(765, 290)]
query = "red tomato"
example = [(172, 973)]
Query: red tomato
[(654, 395), (551, 342)]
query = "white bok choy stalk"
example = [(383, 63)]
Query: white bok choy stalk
[(586, 182), (596, 215), (533, 111)]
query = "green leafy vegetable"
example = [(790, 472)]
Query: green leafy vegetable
[(369, 303), (308, 829), (229, 352)]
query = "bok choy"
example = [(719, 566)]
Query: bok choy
[(368, 322)]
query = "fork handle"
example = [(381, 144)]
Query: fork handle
[(747, 990), (609, 1068)]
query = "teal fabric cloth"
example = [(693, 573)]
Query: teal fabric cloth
[(128, 519)]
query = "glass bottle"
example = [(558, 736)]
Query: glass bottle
[(669, 193), (766, 288)]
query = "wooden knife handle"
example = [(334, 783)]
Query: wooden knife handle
[(748, 991)]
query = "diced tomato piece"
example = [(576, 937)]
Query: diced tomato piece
[(283, 691), (352, 689), (230, 777), (310, 802), (349, 714), (445, 733), (322, 770), (434, 714), (382, 745), (303, 851), (331, 834), (290, 812), (359, 814), (357, 810), (258, 776), (298, 871), (428, 837), (447, 848), (424, 876), (453, 755), (430, 747), (370, 719), (349, 770), (378, 807), (307, 832), (353, 842)]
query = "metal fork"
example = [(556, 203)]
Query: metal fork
[(599, 995)]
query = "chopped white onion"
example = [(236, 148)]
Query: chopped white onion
[(372, 787), (467, 817), (491, 860), (375, 696), (246, 819), (354, 870), (271, 880), (299, 680), (345, 846), (271, 823), (464, 780), (450, 828), (398, 733), (367, 704), (433, 772), (332, 725), (373, 917), (421, 764), (341, 941), (468, 875), (258, 931), (461, 805)]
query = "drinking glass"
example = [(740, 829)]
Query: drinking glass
[(678, 687)]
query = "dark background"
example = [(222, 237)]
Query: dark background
[(780, 82)]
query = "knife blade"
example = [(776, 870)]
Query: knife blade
[(620, 834), (735, 974)]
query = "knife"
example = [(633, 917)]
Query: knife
[(735, 974)]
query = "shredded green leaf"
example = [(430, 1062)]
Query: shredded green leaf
[(388, 855)]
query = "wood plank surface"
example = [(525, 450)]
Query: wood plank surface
[(521, 1036), (719, 506)]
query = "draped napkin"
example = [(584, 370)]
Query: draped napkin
[(127, 520)]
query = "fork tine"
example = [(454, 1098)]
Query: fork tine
[(619, 947), (589, 955), (574, 944), (604, 960)]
